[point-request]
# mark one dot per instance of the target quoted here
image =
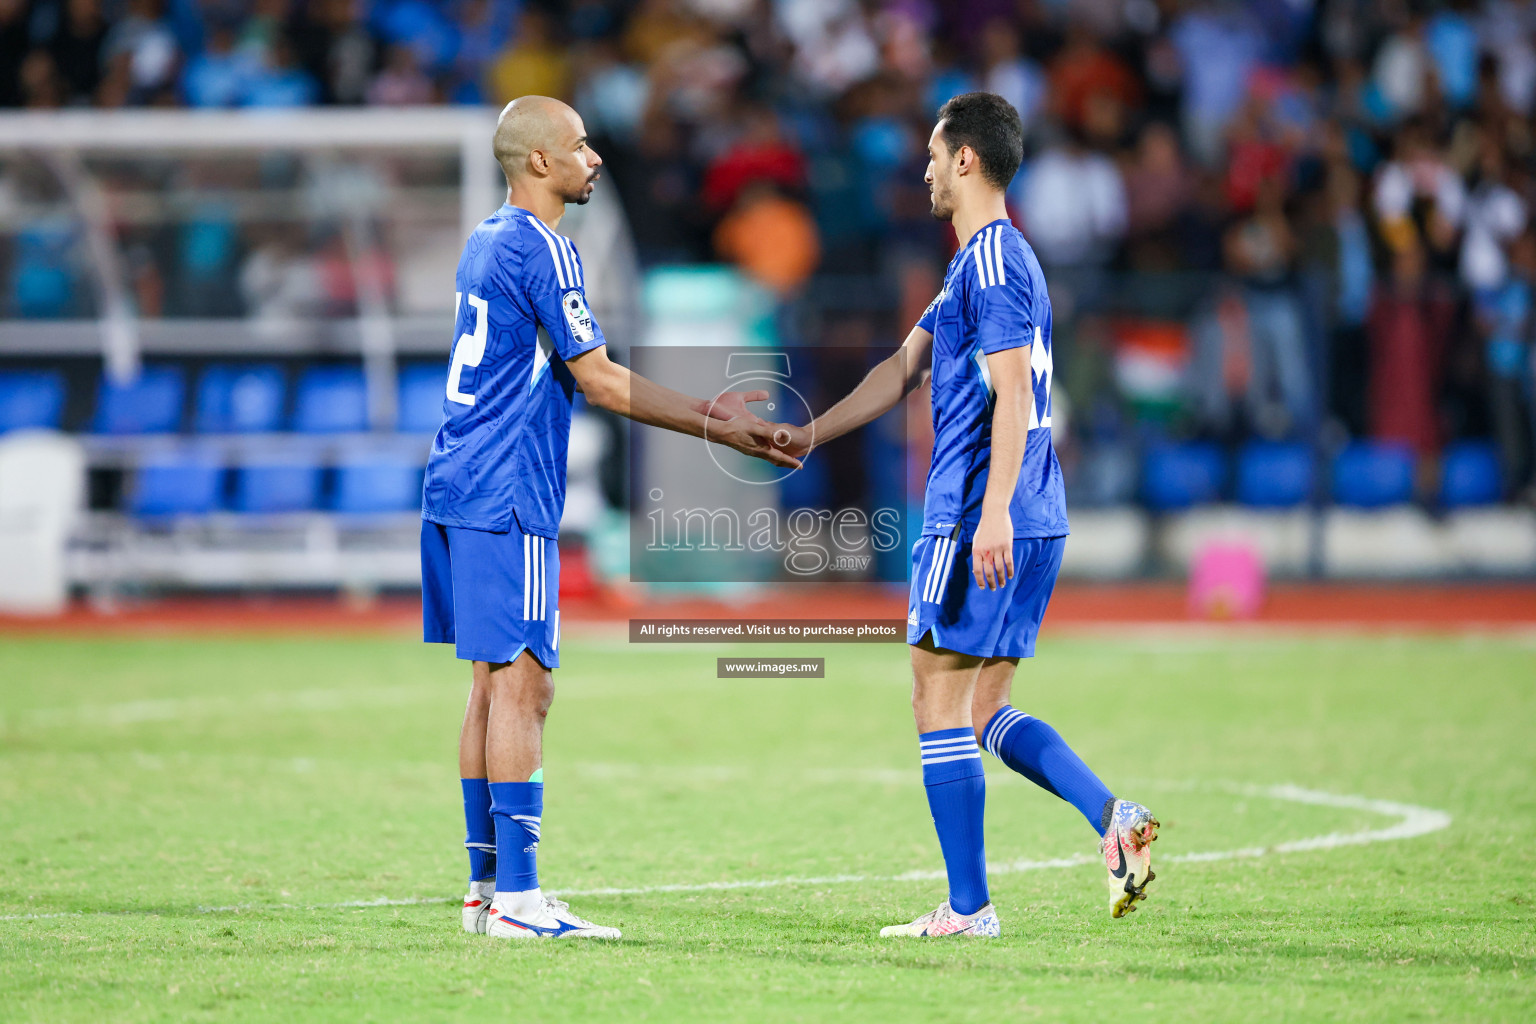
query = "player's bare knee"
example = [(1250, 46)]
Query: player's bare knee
[(982, 711), (544, 696), (923, 694)]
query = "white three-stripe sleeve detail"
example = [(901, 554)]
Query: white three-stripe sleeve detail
[(556, 253), (557, 249), (570, 260), (527, 575), (570, 251), (981, 266), (997, 253)]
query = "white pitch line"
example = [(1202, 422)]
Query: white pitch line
[(175, 709), (1413, 821)]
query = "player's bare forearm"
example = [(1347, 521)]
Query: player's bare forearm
[(620, 390), (992, 547), (882, 388)]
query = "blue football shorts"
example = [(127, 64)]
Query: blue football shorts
[(491, 595), (963, 617)]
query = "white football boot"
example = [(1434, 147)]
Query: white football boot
[(944, 921), (477, 905), (1126, 847), (549, 918)]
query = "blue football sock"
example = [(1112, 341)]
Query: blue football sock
[(1037, 752), (518, 808), (957, 797), (479, 829)]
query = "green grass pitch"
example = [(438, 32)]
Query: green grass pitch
[(188, 824)]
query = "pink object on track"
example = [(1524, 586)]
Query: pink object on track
[(1226, 581)]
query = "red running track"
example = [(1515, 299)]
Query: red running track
[(1075, 606)]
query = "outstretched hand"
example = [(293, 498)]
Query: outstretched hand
[(730, 404)]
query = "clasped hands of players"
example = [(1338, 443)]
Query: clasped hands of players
[(784, 444), (738, 427)]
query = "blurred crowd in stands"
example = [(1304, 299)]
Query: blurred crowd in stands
[(1290, 219)]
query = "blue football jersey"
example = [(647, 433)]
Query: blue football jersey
[(994, 298), (500, 454)]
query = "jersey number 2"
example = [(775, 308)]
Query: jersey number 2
[(469, 350)]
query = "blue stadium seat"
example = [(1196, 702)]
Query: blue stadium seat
[(331, 400), (1177, 476), (240, 399), (378, 485), (31, 398), (422, 390), (176, 485), (149, 404), (1372, 474), (1470, 475), (289, 486), (1274, 475)]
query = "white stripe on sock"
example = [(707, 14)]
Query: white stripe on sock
[(990, 733), (942, 739), (999, 728), (951, 748), (953, 757), (1004, 728), (958, 741)]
